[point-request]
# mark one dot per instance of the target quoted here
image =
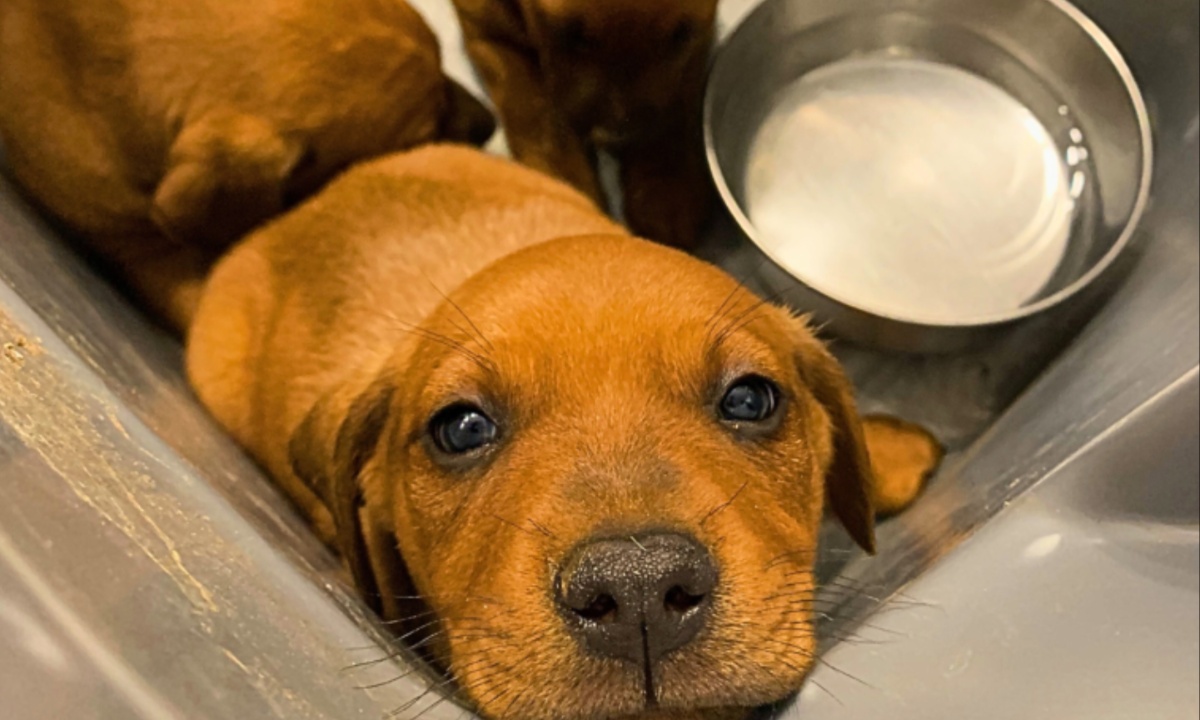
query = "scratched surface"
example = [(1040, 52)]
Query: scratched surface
[(127, 580)]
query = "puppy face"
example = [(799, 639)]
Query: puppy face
[(605, 465), (617, 68)]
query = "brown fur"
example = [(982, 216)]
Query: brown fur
[(906, 453), (162, 130), (571, 76), (326, 341)]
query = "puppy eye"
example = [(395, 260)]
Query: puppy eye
[(682, 34), (460, 429), (750, 399)]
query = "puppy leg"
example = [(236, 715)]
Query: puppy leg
[(667, 190), (167, 277), (172, 285), (903, 456), (226, 173), (538, 135)]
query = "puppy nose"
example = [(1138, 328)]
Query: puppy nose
[(640, 598)]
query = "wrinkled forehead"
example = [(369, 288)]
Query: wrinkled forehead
[(610, 332)]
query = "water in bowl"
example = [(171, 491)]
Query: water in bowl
[(913, 189)]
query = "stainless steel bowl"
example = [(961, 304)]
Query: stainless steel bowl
[(923, 172)]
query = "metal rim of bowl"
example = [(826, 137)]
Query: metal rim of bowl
[(1117, 60)]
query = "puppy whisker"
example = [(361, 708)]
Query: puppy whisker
[(384, 683), (524, 661), (479, 333), (783, 558), (494, 692), (442, 596), (454, 515), (431, 624), (739, 286), (725, 505), (746, 317), (825, 663), (483, 362), (445, 698), (827, 691), (811, 552), (457, 695), (409, 618), (369, 663), (401, 653), (725, 307), (435, 687), (843, 592), (540, 530)]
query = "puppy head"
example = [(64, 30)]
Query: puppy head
[(620, 68), (604, 464)]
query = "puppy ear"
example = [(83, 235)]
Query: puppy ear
[(850, 480), (328, 452), (226, 173)]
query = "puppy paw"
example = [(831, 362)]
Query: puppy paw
[(903, 457)]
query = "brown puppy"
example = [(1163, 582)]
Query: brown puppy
[(162, 130), (570, 76), (600, 462)]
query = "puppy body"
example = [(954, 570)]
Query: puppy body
[(162, 130), (569, 77), (340, 343), (375, 253)]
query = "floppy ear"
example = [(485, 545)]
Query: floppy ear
[(226, 173), (328, 452), (849, 482)]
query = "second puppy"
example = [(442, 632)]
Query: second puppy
[(600, 464), (162, 130), (569, 77)]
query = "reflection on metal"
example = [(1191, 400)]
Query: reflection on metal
[(922, 175), (129, 586), (912, 189), (1146, 338), (1081, 601), (148, 571)]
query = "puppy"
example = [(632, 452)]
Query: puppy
[(162, 130), (626, 76), (600, 463)]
